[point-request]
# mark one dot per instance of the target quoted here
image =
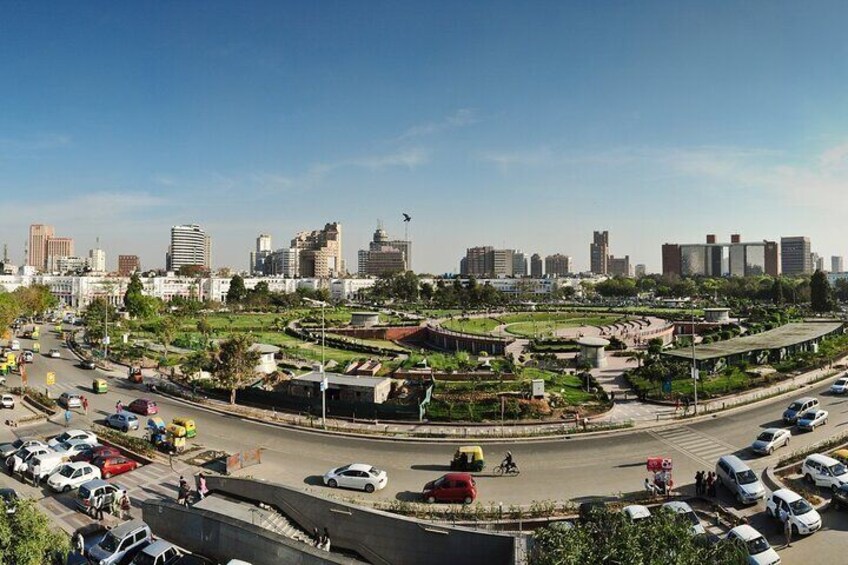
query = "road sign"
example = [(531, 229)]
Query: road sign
[(51, 378)]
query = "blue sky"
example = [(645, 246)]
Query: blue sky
[(525, 125)]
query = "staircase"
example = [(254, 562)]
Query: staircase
[(272, 520)]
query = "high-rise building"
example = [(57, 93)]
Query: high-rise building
[(97, 260), (620, 266), (536, 266), (63, 265), (818, 262), (58, 247), (190, 246), (486, 261), (558, 265), (599, 253), (502, 262), (384, 255), (283, 263), (37, 250), (259, 257), (712, 259), (519, 264), (795, 258), (320, 252), (641, 270), (836, 264), (128, 264)]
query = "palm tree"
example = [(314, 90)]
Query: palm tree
[(638, 357)]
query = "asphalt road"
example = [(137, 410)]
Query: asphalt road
[(562, 469)]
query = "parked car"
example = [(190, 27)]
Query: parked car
[(790, 415), (54, 353), (15, 345), (123, 421), (824, 471), (121, 543), (811, 419), (70, 400), (7, 401), (9, 449), (636, 512), (357, 475), (10, 499), (681, 507), (111, 466), (143, 406), (757, 547), (452, 487), (96, 451), (88, 364), (771, 439), (160, 552), (86, 436), (840, 497), (41, 466), (739, 479), (73, 447), (71, 475), (97, 488), (26, 357), (840, 386), (17, 463), (784, 505)]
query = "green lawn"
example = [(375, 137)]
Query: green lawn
[(384, 343), (472, 325), (550, 326), (727, 382)]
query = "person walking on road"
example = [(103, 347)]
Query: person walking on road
[(325, 545), (201, 486), (98, 503), (699, 483), (85, 405), (787, 531), (119, 406), (711, 486), (79, 544)]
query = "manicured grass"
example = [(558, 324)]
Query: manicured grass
[(727, 382), (383, 343), (472, 325), (550, 326)]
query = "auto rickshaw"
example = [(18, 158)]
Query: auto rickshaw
[(156, 433), (468, 458), (187, 424), (176, 437), (36, 347), (134, 375), (841, 455), (4, 368), (99, 386)]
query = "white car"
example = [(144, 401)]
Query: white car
[(840, 386), (758, 548), (54, 353), (71, 475), (70, 400), (88, 437), (770, 439), (811, 419), (15, 345), (18, 462), (636, 512), (73, 447), (357, 475), (682, 508), (784, 505), (824, 471), (7, 401)]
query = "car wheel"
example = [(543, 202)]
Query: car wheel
[(430, 500), (834, 488), (771, 450), (66, 488), (809, 478), (795, 532), (786, 443), (467, 500), (125, 429), (107, 475), (332, 483), (739, 498), (769, 512), (369, 488)]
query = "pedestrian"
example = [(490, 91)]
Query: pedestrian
[(115, 507), (85, 405), (316, 537), (686, 406), (125, 507), (699, 482), (677, 405), (787, 530), (201, 486), (99, 503), (326, 545), (182, 495), (119, 406), (711, 488), (612, 397), (79, 543), (650, 487)]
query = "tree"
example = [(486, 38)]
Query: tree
[(821, 295), (28, 538), (10, 309), (609, 538), (134, 296), (205, 328), (166, 332), (193, 271), (638, 357), (237, 291), (34, 299), (235, 364), (777, 292)]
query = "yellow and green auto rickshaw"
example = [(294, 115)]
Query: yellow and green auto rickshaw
[(4, 368), (36, 347), (187, 424), (841, 455), (468, 458), (176, 437), (99, 386)]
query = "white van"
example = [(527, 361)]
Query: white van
[(824, 471), (42, 465), (739, 479)]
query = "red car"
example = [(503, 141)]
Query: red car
[(96, 451), (143, 406), (111, 466), (453, 487)]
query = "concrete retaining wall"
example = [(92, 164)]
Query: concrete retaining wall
[(380, 537), (223, 538)]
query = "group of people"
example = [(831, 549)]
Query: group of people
[(661, 485), (321, 541), (705, 485), (116, 506), (184, 491)]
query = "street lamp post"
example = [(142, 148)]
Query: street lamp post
[(323, 374), (694, 364)]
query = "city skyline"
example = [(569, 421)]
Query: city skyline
[(485, 134)]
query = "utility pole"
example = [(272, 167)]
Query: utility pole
[(323, 374), (694, 364)]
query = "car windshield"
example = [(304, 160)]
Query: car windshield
[(439, 482), (757, 545), (66, 471), (766, 436), (808, 416), (374, 471), (838, 470), (746, 477), (693, 518), (64, 437), (800, 507), (18, 443), (342, 469), (109, 543), (795, 406)]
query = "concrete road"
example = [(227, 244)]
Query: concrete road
[(562, 469)]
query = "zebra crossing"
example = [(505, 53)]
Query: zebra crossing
[(699, 446)]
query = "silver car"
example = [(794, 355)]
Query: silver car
[(770, 439)]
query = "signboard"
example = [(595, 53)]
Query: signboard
[(323, 384), (243, 459), (51, 378), (695, 373), (657, 464), (538, 388), (106, 340)]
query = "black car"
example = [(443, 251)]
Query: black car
[(10, 499), (840, 497), (88, 364)]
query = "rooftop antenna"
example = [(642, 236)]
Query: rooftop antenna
[(5, 253)]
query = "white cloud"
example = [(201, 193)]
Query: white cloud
[(461, 118), (523, 158)]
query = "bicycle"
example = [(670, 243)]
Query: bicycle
[(502, 469)]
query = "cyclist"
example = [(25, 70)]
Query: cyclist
[(507, 463)]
